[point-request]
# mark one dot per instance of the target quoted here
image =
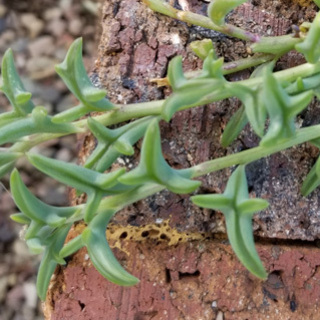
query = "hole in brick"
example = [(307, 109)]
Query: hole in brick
[(82, 305), (153, 233), (123, 235), (145, 234), (163, 236), (168, 276), (275, 280), (195, 274)]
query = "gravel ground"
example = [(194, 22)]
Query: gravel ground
[(39, 32)]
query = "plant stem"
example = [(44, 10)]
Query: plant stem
[(227, 68), (244, 157), (137, 110), (247, 156), (275, 45), (199, 20)]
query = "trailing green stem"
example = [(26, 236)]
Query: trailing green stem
[(243, 157), (199, 20), (247, 156), (127, 112)]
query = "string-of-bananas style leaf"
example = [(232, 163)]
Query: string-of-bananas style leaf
[(192, 92), (74, 75), (218, 9), (113, 143), (153, 167), (238, 210), (94, 184), (312, 180), (282, 109), (47, 228), (310, 47), (94, 238), (14, 90), (37, 122), (7, 161)]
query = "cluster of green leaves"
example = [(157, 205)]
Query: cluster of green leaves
[(270, 103)]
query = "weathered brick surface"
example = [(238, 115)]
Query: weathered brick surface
[(200, 279), (136, 46), (193, 281)]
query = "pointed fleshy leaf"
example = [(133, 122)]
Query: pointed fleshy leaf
[(7, 156), (20, 218), (51, 259), (37, 228), (71, 247), (238, 210), (282, 109), (35, 246), (92, 205), (202, 48), (73, 73), (252, 205), (212, 67), (13, 88), (315, 142), (304, 84), (35, 209), (233, 128), (124, 147), (254, 106), (187, 93), (255, 111), (7, 168), (312, 181), (76, 176), (278, 45), (310, 47), (113, 143), (218, 9), (94, 238), (175, 73), (38, 122), (153, 167), (218, 201)]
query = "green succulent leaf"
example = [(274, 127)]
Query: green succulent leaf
[(33, 208), (71, 247), (153, 167), (20, 218), (202, 48), (317, 2), (13, 88), (35, 245), (310, 47), (7, 168), (7, 157), (218, 9), (95, 184), (51, 259), (254, 106), (37, 122), (233, 128), (238, 210), (73, 73), (275, 45), (76, 176), (282, 109), (113, 143), (191, 92), (312, 181), (94, 238)]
